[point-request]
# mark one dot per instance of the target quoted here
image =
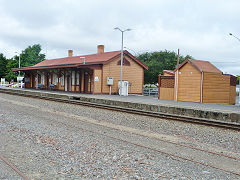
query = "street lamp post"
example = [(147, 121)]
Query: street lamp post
[(19, 59), (132, 51), (234, 36), (122, 31), (18, 63)]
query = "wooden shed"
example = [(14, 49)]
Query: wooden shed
[(200, 81)]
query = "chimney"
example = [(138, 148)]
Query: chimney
[(100, 49), (70, 53)]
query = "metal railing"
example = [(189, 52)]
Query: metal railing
[(150, 92)]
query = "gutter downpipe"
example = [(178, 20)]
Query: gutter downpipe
[(202, 88)]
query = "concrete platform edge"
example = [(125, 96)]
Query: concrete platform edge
[(228, 117)]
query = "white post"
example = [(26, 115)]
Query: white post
[(122, 31), (121, 65), (110, 90), (19, 65)]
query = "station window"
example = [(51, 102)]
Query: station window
[(42, 78), (73, 77), (77, 78), (62, 80), (55, 79)]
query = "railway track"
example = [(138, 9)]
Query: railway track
[(174, 117), (139, 144), (14, 168), (199, 161)]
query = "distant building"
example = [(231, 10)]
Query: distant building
[(86, 73), (168, 73)]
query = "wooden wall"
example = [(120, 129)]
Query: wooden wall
[(97, 75), (166, 93), (166, 87), (217, 89), (189, 84), (232, 96), (133, 73)]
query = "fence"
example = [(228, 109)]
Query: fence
[(150, 92)]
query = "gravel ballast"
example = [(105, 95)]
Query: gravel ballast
[(47, 145)]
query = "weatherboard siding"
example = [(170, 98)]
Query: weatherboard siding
[(97, 77), (133, 74), (189, 84), (216, 88)]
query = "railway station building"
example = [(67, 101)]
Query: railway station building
[(87, 73)]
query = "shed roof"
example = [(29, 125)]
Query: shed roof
[(202, 66), (91, 59)]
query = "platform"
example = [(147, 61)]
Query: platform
[(220, 112)]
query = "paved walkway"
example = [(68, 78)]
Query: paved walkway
[(155, 101)]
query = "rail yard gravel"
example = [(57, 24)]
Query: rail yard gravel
[(43, 144)]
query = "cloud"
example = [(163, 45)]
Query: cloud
[(198, 28)]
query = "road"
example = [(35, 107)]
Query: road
[(52, 140)]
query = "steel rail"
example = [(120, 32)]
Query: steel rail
[(14, 168), (167, 116)]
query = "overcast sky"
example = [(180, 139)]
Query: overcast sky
[(199, 28)]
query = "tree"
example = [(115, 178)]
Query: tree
[(12, 63), (3, 65), (238, 79), (29, 57), (157, 62)]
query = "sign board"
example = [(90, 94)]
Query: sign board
[(20, 79), (110, 81), (96, 79)]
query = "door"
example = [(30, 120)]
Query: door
[(80, 81), (68, 83), (33, 81), (47, 80), (86, 79)]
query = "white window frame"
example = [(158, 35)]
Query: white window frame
[(73, 78), (77, 78), (42, 78), (62, 79)]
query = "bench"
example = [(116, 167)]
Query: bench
[(51, 86), (40, 86)]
